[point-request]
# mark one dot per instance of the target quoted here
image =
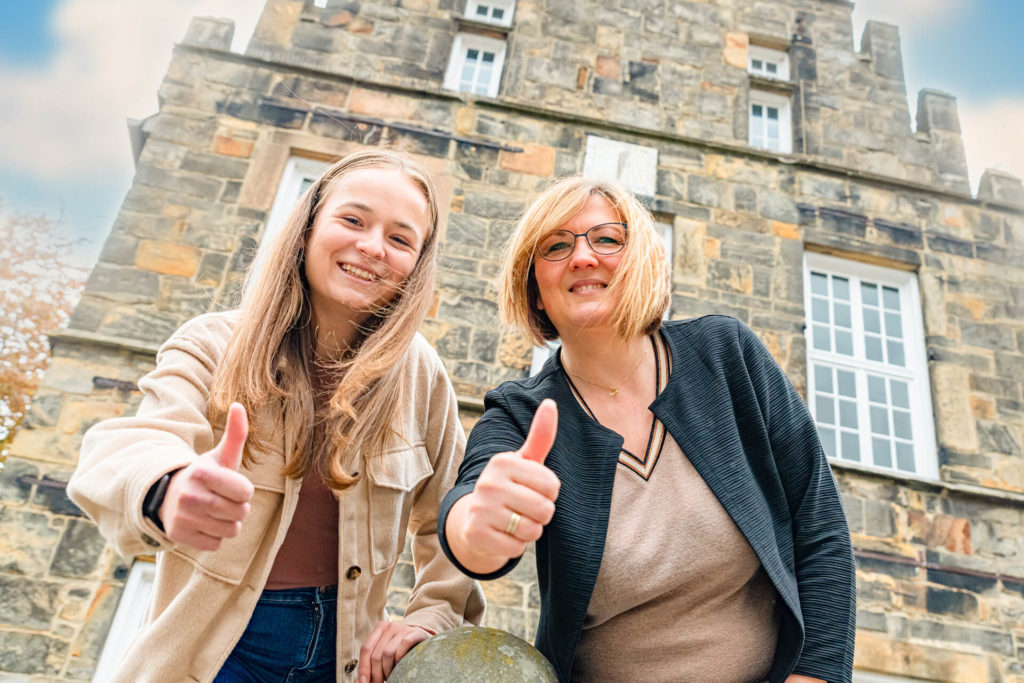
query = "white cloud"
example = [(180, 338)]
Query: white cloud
[(65, 121), (993, 137)]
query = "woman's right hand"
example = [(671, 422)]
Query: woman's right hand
[(208, 500), (513, 484)]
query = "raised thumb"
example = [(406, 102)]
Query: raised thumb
[(228, 452), (542, 432)]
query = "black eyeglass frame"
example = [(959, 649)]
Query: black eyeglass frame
[(586, 235)]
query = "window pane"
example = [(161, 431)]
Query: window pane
[(488, 58), (757, 111), (843, 315), (821, 338), (481, 11), (871, 321), (823, 379), (901, 424), (876, 389), (869, 293), (841, 288), (900, 393), (472, 55), (773, 113), (847, 384), (757, 64), (824, 410), (905, 457), (772, 68), (844, 342), (848, 414), (873, 348), (498, 13), (891, 298), (879, 420), (828, 440), (851, 445), (819, 310), (819, 284), (895, 349), (881, 453), (893, 325)]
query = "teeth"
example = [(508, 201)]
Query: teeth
[(587, 288), (359, 272)]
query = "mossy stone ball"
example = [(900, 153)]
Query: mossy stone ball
[(473, 654)]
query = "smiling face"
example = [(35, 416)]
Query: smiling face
[(365, 242), (573, 292)]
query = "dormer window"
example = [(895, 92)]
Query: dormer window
[(768, 63), (497, 12)]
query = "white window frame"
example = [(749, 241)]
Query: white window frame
[(320, 3), (472, 41), (128, 618), (297, 172), (508, 7), (780, 102), (915, 372), (758, 59)]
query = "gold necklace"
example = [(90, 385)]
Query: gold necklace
[(612, 390)]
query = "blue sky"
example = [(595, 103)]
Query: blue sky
[(74, 70)]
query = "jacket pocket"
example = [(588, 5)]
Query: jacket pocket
[(393, 479), (231, 562)]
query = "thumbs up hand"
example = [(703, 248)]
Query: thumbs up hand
[(513, 500), (208, 500)]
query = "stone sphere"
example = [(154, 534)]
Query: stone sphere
[(474, 654)]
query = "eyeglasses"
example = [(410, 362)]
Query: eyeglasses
[(606, 238)]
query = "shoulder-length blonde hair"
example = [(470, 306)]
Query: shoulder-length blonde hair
[(272, 357), (642, 278)]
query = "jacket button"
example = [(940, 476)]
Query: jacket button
[(150, 541), (351, 666), (353, 573)]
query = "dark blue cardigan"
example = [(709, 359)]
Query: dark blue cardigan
[(747, 432)]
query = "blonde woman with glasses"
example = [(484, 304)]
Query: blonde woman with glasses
[(688, 527), (281, 452)]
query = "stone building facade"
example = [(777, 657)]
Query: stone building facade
[(794, 194)]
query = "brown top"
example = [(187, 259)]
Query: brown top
[(309, 553), (680, 594)]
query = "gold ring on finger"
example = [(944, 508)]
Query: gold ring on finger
[(513, 524)]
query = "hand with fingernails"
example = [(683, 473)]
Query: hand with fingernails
[(207, 501), (513, 500)]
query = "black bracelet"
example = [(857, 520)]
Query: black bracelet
[(155, 498)]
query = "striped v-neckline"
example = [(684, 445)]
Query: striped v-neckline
[(642, 466)]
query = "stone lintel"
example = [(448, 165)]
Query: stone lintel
[(82, 338)]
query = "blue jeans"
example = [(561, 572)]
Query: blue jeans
[(291, 636)]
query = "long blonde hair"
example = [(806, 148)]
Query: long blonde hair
[(642, 277), (272, 354)]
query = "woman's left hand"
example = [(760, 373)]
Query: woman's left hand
[(385, 646)]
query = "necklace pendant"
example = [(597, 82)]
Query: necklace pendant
[(612, 391)]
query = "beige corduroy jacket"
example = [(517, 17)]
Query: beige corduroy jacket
[(202, 600)]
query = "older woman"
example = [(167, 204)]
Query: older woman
[(687, 523)]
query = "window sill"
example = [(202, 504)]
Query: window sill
[(771, 84), (926, 484), (483, 28)]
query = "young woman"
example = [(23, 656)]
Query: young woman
[(276, 542), (687, 523)]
